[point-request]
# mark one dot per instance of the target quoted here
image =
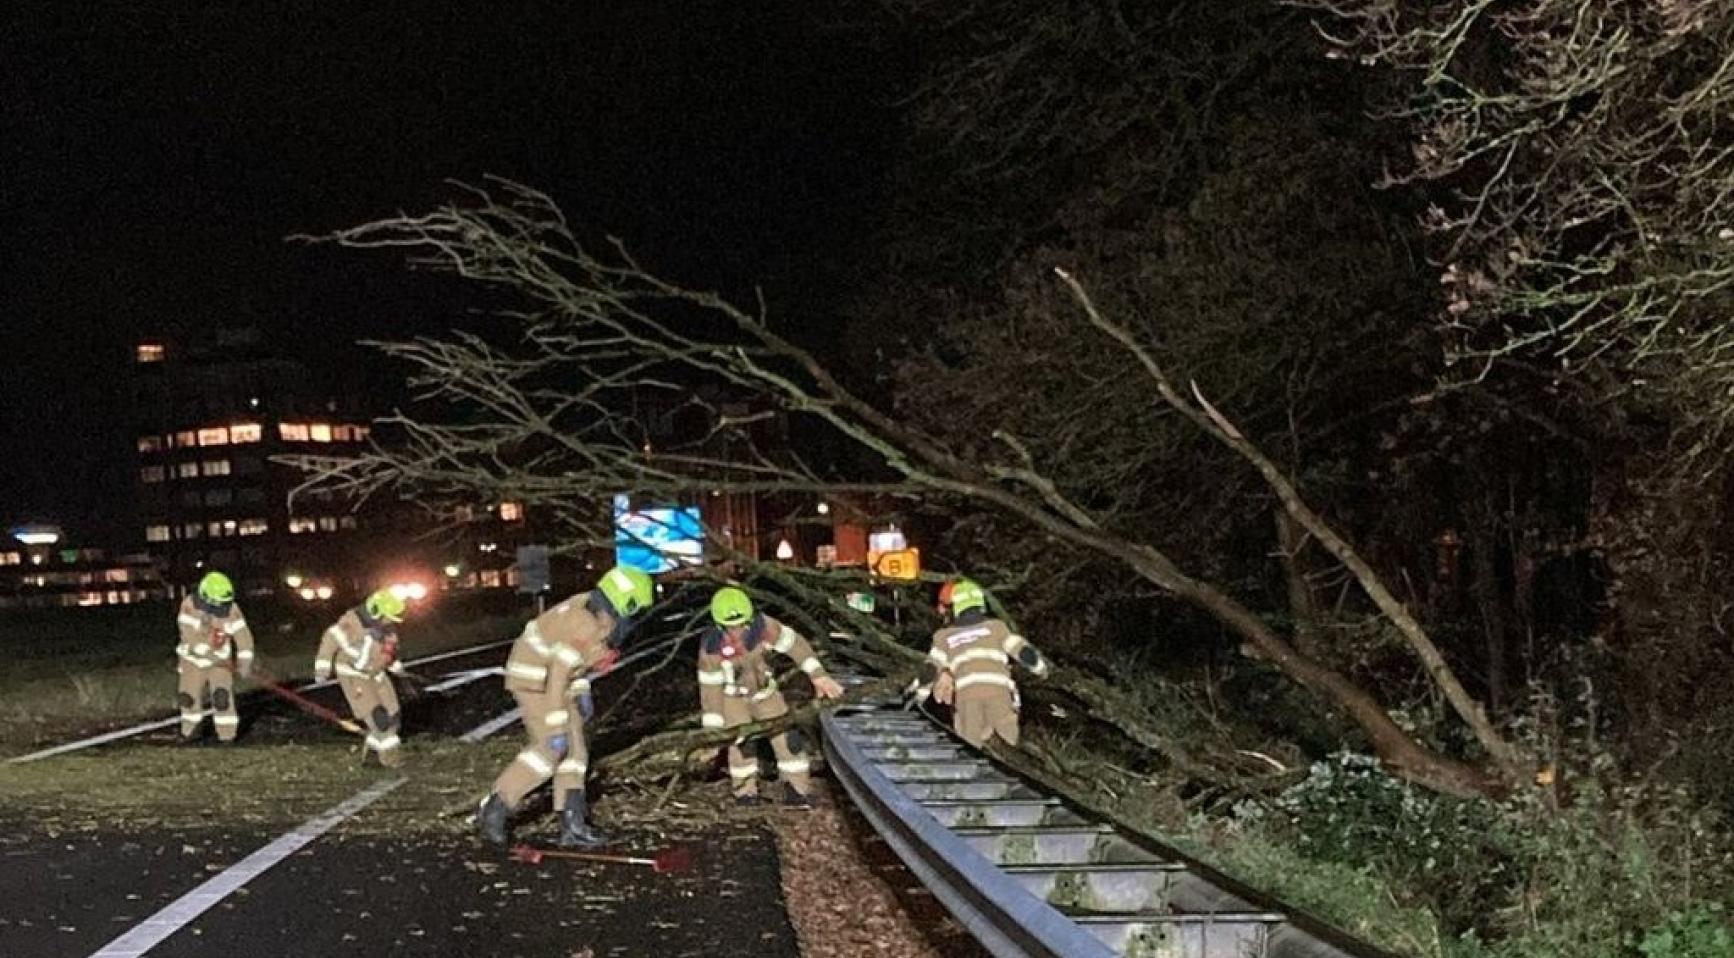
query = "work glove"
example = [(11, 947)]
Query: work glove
[(827, 687), (605, 664), (942, 688)]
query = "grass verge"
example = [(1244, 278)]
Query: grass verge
[(98, 672)]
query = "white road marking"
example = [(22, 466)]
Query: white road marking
[(131, 731), (491, 726), (178, 913), (457, 679)]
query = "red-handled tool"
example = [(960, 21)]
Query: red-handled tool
[(665, 862)]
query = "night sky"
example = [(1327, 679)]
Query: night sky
[(154, 160)]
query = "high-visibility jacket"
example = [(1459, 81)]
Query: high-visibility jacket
[(738, 669), (357, 648), (978, 651), (212, 635), (559, 646)]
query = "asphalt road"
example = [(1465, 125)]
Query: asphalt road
[(361, 889)]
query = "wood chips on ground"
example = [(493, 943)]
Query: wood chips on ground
[(848, 895)]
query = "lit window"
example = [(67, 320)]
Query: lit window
[(319, 432), (361, 433), (150, 444), (490, 578), (218, 436), (216, 529), (90, 598), (9, 558), (327, 524), (254, 527), (214, 467), (151, 474), (156, 533), (300, 525), (114, 598), (347, 522), (230, 527), (193, 530), (246, 432), (219, 497), (511, 511), (150, 352), (186, 440), (116, 575), (187, 470), (292, 431)]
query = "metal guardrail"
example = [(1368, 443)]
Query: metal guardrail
[(1029, 876)]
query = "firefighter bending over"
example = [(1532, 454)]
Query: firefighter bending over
[(361, 648), (736, 687), (971, 664), (213, 635), (547, 673)]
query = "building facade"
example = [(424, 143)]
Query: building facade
[(214, 421), (40, 569)]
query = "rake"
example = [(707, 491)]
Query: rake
[(303, 703), (667, 861)]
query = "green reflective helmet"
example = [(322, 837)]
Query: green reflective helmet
[(385, 606), (628, 590), (730, 607), (216, 588), (966, 595)]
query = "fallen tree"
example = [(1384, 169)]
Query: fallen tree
[(551, 407)]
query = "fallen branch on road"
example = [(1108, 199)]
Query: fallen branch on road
[(668, 753)]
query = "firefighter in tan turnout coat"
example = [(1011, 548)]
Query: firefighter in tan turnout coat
[(547, 672), (215, 643), (361, 649), (973, 657), (736, 686)]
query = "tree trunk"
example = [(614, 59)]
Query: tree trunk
[(1395, 747), (1303, 610), (1489, 597)]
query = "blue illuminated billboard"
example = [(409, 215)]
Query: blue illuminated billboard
[(658, 538)]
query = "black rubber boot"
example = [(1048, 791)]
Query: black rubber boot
[(794, 799), (575, 828), (493, 818), (748, 801)]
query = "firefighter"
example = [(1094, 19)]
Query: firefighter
[(971, 667), (736, 687), (548, 674), (361, 648), (215, 644)]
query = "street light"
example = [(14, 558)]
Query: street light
[(824, 508), (293, 581), (453, 571), (323, 592), (785, 551)]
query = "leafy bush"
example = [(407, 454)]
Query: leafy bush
[(1518, 879)]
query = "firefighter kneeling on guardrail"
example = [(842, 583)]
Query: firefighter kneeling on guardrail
[(546, 673), (736, 687), (212, 631), (971, 667), (362, 649)]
